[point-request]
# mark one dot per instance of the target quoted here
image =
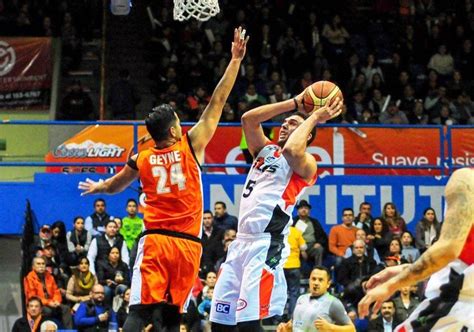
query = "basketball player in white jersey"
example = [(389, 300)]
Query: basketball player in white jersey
[(449, 304), (251, 284)]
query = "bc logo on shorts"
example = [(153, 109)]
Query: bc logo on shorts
[(222, 307)]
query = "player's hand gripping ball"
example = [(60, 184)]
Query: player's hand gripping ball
[(319, 94)]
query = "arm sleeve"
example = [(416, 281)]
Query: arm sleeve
[(301, 242), (92, 254), (101, 274), (88, 242), (113, 317), (201, 307), (419, 237), (28, 289), (333, 235), (132, 164), (124, 253), (70, 291), (55, 291), (80, 318), (88, 224), (70, 245), (338, 314)]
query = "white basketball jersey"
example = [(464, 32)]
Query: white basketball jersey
[(270, 194), (463, 265)]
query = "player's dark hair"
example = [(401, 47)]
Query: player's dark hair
[(221, 203), (35, 299), (99, 200), (323, 268), (347, 209), (110, 221), (132, 200), (159, 121), (208, 212), (313, 131), (390, 300), (77, 218), (364, 203)]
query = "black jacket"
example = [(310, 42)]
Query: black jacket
[(319, 234), (21, 325), (351, 269), (376, 325), (226, 222), (105, 271)]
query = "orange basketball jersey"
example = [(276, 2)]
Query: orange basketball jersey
[(171, 180)]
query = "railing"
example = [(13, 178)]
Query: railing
[(445, 165)]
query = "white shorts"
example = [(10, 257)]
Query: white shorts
[(251, 283), (449, 305), (461, 315)]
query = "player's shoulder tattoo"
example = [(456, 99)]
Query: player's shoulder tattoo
[(460, 199)]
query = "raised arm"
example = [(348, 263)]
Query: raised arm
[(458, 222), (294, 150), (251, 123), (113, 185), (202, 132)]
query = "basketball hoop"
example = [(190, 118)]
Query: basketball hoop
[(201, 10)]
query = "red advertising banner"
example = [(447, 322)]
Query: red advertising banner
[(25, 72), (338, 146)]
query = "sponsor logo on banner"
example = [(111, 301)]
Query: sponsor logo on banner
[(379, 147), (25, 72), (223, 307), (88, 149), (7, 58)]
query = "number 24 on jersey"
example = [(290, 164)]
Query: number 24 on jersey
[(175, 175)]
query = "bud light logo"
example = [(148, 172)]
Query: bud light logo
[(223, 308), (88, 149)]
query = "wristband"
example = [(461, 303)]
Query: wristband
[(296, 104)]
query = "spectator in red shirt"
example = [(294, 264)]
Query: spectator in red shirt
[(342, 236), (40, 283)]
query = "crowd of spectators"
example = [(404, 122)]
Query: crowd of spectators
[(71, 21), (397, 62), (81, 278)]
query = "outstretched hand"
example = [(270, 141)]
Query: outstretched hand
[(90, 187), (329, 111), (377, 296), (239, 45), (384, 275)]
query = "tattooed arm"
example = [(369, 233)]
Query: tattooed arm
[(457, 224)]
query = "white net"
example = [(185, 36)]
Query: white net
[(201, 10)]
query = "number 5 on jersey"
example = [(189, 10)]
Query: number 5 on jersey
[(249, 188), (176, 178)]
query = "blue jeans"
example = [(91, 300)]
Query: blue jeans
[(111, 291), (292, 277)]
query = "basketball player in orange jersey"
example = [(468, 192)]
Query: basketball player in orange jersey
[(169, 250), (449, 303), (251, 285)]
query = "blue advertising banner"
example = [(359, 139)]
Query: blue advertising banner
[(56, 197)]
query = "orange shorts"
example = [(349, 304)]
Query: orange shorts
[(165, 270)]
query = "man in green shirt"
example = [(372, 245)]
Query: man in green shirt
[(132, 224)]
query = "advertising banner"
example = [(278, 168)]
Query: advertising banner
[(56, 197), (25, 73), (336, 146)]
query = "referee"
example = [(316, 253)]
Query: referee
[(318, 310)]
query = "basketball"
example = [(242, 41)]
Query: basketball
[(318, 94)]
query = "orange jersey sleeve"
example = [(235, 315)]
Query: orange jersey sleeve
[(171, 181)]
